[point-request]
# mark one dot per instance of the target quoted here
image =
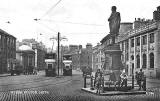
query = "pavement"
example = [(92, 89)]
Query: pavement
[(67, 88)]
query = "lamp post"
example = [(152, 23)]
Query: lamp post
[(58, 38), (58, 52)]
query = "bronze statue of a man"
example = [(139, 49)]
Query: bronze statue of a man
[(114, 22)]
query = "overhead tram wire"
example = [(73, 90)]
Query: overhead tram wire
[(48, 27), (75, 32), (71, 33), (55, 5), (72, 22)]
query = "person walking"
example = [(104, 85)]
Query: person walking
[(140, 77)]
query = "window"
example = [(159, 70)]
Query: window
[(132, 42), (96, 59), (127, 45), (144, 61), (127, 56), (122, 57), (132, 57), (151, 60), (138, 41), (97, 66), (151, 38), (138, 61), (122, 46), (144, 40)]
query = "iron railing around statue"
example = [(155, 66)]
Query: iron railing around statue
[(107, 85)]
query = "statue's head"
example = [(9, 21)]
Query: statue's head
[(114, 8)]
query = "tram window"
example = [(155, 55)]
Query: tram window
[(49, 66), (50, 56), (67, 66), (67, 57)]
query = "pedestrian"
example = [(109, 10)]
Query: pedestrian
[(137, 77), (123, 77), (96, 75), (34, 71), (99, 83), (140, 79)]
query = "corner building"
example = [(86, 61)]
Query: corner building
[(141, 47), (7, 51)]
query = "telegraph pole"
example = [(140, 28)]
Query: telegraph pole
[(58, 39), (58, 52)]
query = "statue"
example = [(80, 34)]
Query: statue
[(114, 23)]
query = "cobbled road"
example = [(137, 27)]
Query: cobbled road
[(41, 88)]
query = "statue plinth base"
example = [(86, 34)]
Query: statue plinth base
[(113, 58)]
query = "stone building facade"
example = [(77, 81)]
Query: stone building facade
[(98, 57), (39, 50), (82, 57), (7, 51), (25, 55), (140, 47)]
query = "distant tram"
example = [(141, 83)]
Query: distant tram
[(50, 60), (67, 65)]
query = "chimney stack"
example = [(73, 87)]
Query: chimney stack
[(156, 14)]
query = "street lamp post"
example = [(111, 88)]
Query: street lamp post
[(58, 53), (58, 41)]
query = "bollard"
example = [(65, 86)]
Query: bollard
[(144, 84), (92, 88), (126, 82), (132, 81), (91, 82), (103, 85), (84, 81)]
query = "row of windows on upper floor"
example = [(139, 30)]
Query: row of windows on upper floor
[(144, 40), (99, 59), (99, 66), (144, 60), (9, 40)]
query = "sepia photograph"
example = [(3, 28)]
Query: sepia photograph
[(80, 50)]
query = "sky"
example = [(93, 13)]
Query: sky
[(80, 21)]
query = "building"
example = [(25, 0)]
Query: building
[(7, 51), (76, 58), (25, 55), (39, 50), (73, 47), (98, 57), (140, 46), (82, 57)]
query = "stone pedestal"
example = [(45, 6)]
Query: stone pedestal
[(113, 59)]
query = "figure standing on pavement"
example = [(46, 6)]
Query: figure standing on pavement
[(141, 79), (99, 82), (137, 77), (98, 72), (35, 71), (123, 77)]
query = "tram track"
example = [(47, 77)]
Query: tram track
[(41, 85), (51, 78), (34, 85), (37, 80)]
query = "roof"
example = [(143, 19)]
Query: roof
[(105, 38), (5, 33), (138, 31), (25, 48), (68, 53)]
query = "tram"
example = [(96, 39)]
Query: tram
[(50, 60), (67, 65)]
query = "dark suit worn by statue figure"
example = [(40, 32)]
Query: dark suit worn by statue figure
[(114, 23)]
